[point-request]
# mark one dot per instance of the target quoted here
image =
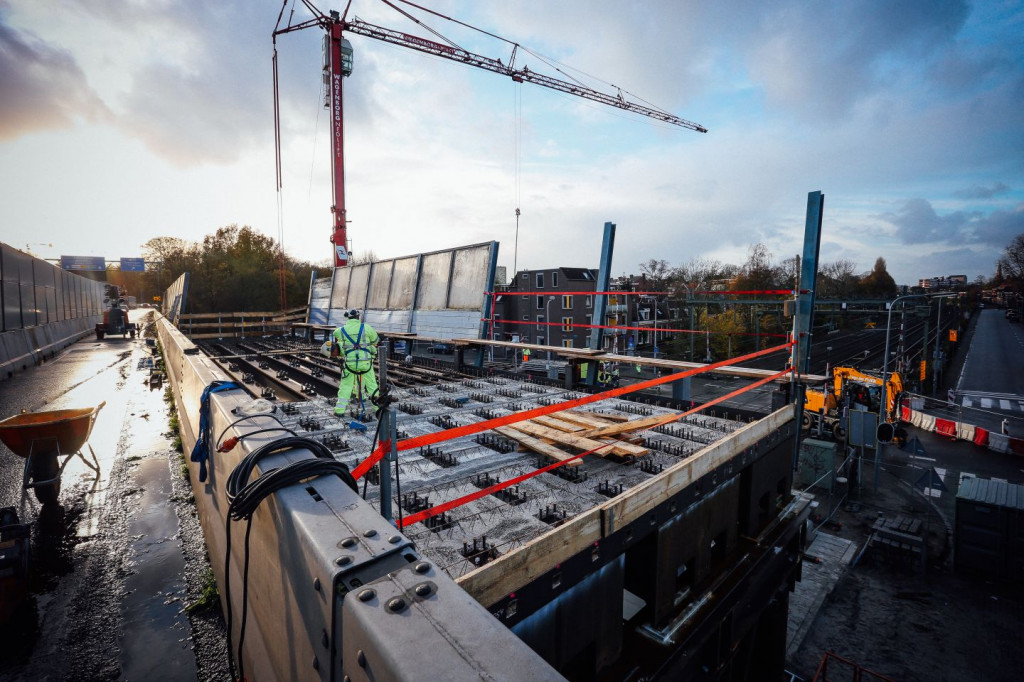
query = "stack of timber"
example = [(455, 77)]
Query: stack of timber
[(239, 325), (562, 435)]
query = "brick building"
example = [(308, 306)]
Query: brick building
[(556, 301)]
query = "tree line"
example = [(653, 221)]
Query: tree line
[(235, 269), (836, 279)]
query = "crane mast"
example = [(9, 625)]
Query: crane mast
[(338, 65)]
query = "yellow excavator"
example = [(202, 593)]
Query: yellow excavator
[(853, 388)]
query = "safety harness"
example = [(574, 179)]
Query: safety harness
[(357, 347)]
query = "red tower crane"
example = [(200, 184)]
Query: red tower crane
[(338, 65)]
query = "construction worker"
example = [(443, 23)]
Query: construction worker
[(355, 346), (603, 378)]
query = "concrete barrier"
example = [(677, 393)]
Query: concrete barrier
[(315, 542), (24, 348)]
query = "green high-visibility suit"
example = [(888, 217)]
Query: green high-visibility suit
[(357, 343)]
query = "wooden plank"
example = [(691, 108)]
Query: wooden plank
[(600, 415), (506, 574), (558, 350), (233, 324), (573, 440), (626, 427), (537, 445), (275, 314), (497, 579), (585, 422), (554, 422), (674, 365), (642, 498), (235, 336)]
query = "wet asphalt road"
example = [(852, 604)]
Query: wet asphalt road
[(118, 558), (995, 362)]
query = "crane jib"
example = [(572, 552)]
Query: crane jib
[(429, 44)]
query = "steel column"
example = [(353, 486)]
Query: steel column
[(485, 328), (808, 281), (601, 302), (804, 313)]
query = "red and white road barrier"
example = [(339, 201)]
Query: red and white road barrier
[(961, 431)]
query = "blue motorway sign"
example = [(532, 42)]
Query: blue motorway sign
[(83, 263), (133, 265)]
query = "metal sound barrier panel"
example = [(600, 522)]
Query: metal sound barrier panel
[(175, 299), (35, 292), (436, 295)]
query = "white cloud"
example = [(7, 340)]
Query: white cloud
[(905, 116)]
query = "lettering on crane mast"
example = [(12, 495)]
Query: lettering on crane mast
[(337, 113)]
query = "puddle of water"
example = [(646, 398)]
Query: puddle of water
[(153, 608), (107, 560)]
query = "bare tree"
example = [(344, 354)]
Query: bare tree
[(365, 257), (657, 271), (1012, 262), (758, 272), (837, 279), (702, 270)]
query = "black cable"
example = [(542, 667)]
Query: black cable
[(245, 600), (240, 420), (228, 445), (244, 497), (373, 448)]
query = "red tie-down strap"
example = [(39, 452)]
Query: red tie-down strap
[(487, 425), (465, 499)]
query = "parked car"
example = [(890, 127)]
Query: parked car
[(441, 348)]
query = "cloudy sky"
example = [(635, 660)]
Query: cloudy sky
[(123, 120)]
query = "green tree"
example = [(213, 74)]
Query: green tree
[(878, 283), (235, 269), (726, 329)]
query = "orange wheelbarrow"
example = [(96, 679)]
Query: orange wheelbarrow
[(42, 438)]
